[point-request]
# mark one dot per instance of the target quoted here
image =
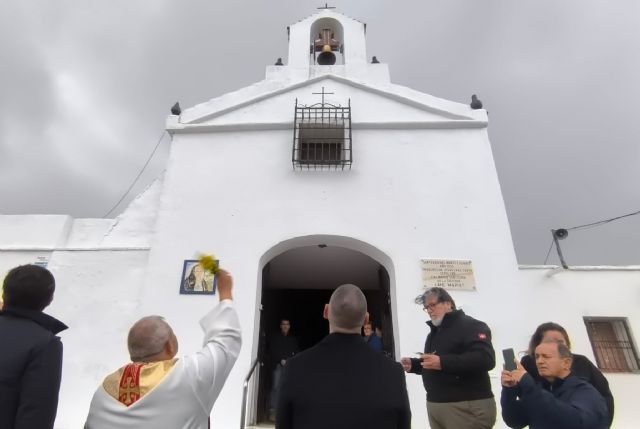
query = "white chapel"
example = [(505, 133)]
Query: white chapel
[(321, 174)]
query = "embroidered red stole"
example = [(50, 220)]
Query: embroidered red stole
[(131, 382), (129, 387)]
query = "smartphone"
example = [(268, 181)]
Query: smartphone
[(509, 359)]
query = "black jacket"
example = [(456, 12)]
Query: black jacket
[(30, 369), (583, 368), (341, 383), (466, 355), (282, 347), (571, 403)]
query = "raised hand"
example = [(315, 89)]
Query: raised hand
[(224, 282)]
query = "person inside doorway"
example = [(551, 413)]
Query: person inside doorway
[(370, 337), (282, 347)]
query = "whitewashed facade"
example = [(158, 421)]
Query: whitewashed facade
[(422, 184)]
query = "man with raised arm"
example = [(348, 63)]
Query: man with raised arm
[(158, 390), (560, 400), (341, 383)]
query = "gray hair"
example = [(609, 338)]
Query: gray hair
[(563, 350), (440, 294), (347, 307), (147, 337)]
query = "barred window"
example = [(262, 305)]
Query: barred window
[(612, 344), (320, 144), (322, 137)]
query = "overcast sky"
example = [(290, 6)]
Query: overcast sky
[(85, 88)]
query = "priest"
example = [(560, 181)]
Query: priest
[(158, 390)]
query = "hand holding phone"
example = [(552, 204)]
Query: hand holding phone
[(509, 359)]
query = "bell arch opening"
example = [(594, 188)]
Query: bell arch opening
[(327, 42)]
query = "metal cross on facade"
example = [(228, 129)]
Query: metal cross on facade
[(322, 93), (326, 6)]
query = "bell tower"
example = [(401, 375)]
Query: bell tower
[(326, 42)]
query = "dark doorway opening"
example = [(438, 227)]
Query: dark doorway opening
[(297, 284)]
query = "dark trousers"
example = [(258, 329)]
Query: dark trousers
[(275, 388)]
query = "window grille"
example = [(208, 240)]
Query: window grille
[(612, 345), (322, 137)]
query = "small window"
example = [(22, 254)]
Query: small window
[(320, 144), (322, 137), (612, 346)]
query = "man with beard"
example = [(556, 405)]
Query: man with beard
[(454, 366)]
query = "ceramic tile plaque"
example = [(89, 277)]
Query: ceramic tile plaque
[(196, 279)]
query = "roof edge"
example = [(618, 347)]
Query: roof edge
[(403, 99)]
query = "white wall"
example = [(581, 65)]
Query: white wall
[(34, 231), (410, 194), (451, 209), (98, 297)]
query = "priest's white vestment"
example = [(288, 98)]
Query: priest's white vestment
[(181, 392)]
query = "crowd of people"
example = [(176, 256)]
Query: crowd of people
[(344, 381)]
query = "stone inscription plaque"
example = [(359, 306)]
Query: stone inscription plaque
[(448, 274)]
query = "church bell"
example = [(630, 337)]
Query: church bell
[(326, 45)]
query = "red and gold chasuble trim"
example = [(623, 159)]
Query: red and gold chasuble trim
[(131, 382), (129, 389)]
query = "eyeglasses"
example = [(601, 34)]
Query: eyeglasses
[(431, 306)]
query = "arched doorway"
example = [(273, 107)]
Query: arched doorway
[(297, 279)]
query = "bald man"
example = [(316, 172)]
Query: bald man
[(157, 390), (341, 383)]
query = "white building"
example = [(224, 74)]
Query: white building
[(316, 176)]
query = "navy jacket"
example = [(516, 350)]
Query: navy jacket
[(466, 355), (583, 368), (374, 342), (569, 403), (341, 383), (30, 369)]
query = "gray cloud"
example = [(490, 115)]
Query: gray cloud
[(86, 88)]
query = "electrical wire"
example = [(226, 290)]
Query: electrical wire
[(138, 176), (590, 226), (602, 222)]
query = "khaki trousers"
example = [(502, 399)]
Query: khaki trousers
[(479, 414)]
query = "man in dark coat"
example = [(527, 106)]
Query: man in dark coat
[(341, 383), (454, 366), (31, 360), (282, 347), (581, 366), (560, 400)]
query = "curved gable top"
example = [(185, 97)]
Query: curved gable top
[(326, 13), (267, 106)]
